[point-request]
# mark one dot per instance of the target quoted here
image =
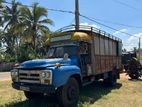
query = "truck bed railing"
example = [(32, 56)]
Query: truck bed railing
[(89, 28)]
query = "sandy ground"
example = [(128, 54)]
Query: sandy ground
[(5, 76), (124, 76)]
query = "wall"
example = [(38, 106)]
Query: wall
[(6, 66)]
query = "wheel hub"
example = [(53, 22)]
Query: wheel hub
[(72, 93)]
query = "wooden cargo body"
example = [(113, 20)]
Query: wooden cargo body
[(106, 53), (105, 48)]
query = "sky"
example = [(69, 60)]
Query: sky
[(127, 12)]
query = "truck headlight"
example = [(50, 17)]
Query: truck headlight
[(14, 73), (45, 74), (46, 77), (48, 74)]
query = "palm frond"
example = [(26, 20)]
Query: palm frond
[(38, 12), (26, 12), (46, 21), (43, 28)]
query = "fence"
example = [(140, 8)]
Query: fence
[(6, 66)]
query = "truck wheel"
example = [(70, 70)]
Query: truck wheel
[(33, 96), (68, 94), (134, 76), (111, 80)]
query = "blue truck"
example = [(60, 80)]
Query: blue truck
[(75, 58)]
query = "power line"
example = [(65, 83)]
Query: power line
[(93, 20), (57, 10), (127, 5), (64, 11), (115, 23), (71, 12)]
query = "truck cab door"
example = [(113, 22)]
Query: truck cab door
[(85, 59)]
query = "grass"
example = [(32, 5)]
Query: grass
[(125, 94), (4, 72)]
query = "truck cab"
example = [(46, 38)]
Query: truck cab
[(72, 61)]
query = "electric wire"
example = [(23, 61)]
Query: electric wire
[(64, 11), (105, 25), (88, 18), (115, 23), (127, 5), (57, 10)]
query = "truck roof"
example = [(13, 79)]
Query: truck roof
[(86, 28)]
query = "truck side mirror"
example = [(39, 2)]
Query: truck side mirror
[(66, 56)]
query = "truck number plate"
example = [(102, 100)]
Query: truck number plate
[(24, 88)]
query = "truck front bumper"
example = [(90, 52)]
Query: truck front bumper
[(37, 88)]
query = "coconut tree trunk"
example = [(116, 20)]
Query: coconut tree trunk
[(34, 37)]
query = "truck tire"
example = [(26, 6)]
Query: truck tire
[(111, 80), (134, 76), (33, 96), (67, 95)]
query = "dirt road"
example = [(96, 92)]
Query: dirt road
[(5, 76)]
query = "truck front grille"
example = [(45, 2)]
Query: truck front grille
[(29, 76)]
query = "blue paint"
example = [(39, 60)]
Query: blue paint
[(61, 75), (39, 63)]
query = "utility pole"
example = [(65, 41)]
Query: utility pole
[(139, 48), (76, 14)]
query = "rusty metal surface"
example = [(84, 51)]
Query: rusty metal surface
[(85, 28), (105, 49), (105, 52)]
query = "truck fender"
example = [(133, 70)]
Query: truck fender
[(62, 75)]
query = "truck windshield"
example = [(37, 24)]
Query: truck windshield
[(58, 52)]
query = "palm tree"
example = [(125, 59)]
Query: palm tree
[(11, 15), (34, 22), (1, 11), (1, 5), (11, 20), (0, 38)]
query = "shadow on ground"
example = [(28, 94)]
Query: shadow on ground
[(135, 80), (89, 94), (95, 91), (46, 102)]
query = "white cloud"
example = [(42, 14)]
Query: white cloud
[(133, 41), (134, 38), (129, 42), (120, 31), (92, 25)]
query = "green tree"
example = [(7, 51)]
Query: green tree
[(34, 23), (24, 27), (11, 20), (11, 15), (1, 12), (135, 49), (124, 50)]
